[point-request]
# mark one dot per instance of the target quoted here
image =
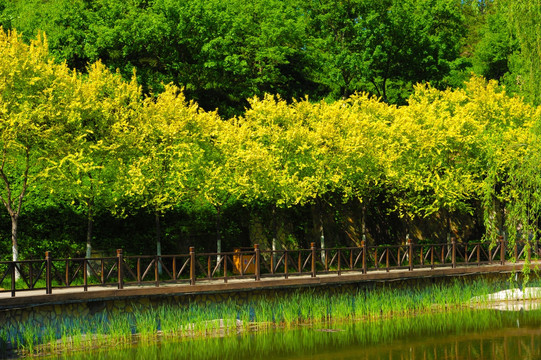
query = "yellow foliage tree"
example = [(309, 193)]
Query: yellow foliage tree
[(35, 119)]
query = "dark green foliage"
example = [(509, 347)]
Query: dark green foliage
[(55, 229), (223, 53), (384, 47)]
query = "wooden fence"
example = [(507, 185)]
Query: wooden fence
[(121, 270)]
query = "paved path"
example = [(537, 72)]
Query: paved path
[(77, 294)]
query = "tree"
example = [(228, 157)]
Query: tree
[(495, 45), (384, 47), (260, 146), (88, 173), (123, 35), (164, 146), (522, 186), (436, 159), (35, 121), (363, 149), (227, 52), (525, 64), (220, 52), (453, 147)]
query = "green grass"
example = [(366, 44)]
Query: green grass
[(370, 306), (305, 340)]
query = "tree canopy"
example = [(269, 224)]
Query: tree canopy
[(355, 109)]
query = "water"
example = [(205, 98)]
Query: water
[(479, 334)]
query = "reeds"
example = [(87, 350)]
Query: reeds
[(146, 324), (315, 340)]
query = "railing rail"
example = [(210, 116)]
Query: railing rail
[(152, 270)]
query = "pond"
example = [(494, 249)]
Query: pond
[(456, 334)]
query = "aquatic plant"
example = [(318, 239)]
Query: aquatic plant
[(370, 306), (312, 340)]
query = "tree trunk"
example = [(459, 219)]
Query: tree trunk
[(9, 203), (322, 236), (274, 233), (363, 220), (89, 230), (14, 246), (448, 225), (317, 215), (503, 233), (158, 240), (218, 233)]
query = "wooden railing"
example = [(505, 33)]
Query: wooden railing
[(52, 273)]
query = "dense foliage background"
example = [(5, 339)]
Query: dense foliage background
[(179, 123)]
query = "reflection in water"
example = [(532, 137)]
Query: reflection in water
[(508, 344), (466, 335)]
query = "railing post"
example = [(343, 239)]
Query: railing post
[(453, 254), (339, 262), (410, 254), (365, 265), (286, 275), (156, 271), (174, 268), (326, 260), (119, 268), (13, 276), (102, 274), (192, 265), (313, 249), (257, 263), (502, 250), (48, 286), (85, 274), (139, 270), (67, 273), (241, 258), (272, 262), (225, 267), (209, 267), (31, 274)]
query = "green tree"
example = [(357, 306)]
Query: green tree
[(525, 63), (437, 161), (495, 44), (88, 173), (227, 52), (166, 147), (363, 150), (35, 121), (261, 146), (384, 47)]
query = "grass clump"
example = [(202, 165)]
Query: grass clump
[(145, 324)]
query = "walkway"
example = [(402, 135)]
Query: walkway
[(77, 294)]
